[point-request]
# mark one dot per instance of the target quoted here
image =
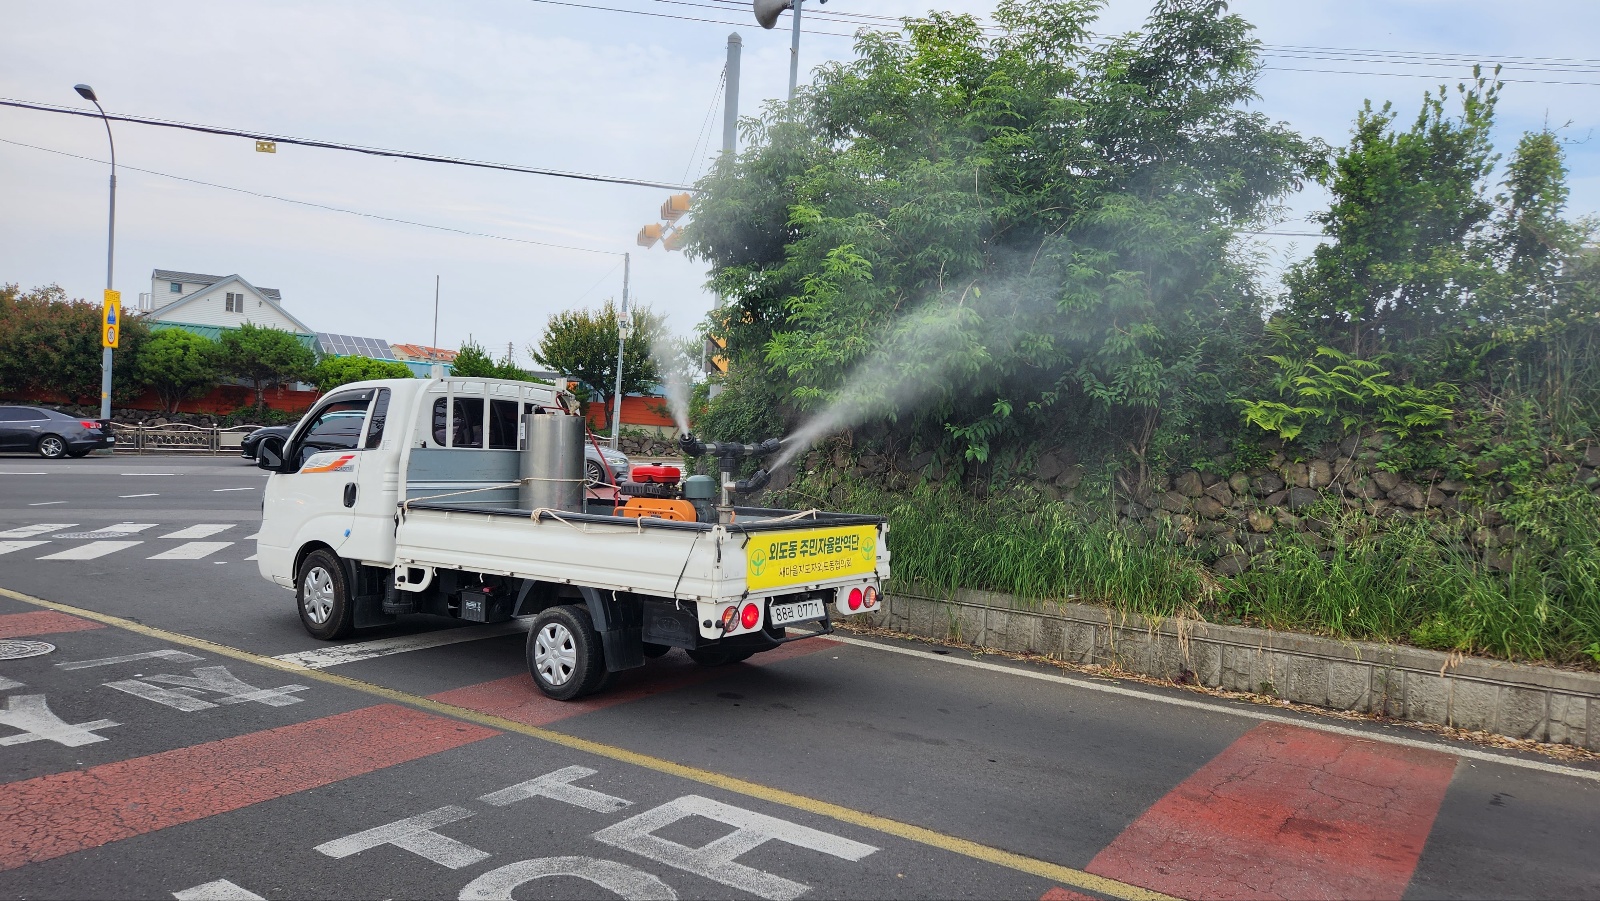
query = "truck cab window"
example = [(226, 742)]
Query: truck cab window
[(503, 424), (380, 412), (337, 426)]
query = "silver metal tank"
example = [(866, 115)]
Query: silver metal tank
[(551, 464)]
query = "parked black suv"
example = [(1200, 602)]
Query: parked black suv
[(51, 434)]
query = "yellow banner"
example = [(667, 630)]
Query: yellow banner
[(776, 559), (111, 320)]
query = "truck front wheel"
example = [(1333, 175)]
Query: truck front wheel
[(564, 653), (323, 597)]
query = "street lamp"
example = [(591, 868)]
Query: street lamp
[(87, 93), (767, 12)]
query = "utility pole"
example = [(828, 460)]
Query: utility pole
[(622, 340), (730, 101), (794, 52)]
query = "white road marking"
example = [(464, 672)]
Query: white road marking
[(191, 550), (200, 530), (414, 834), (8, 684), (558, 786), (252, 537), (322, 658), (217, 890), (618, 879), (32, 715), (164, 654), (251, 557), (7, 547), (46, 503), (216, 679), (126, 496), (123, 528), (92, 550), (251, 488), (36, 529), (717, 860), (1247, 713)]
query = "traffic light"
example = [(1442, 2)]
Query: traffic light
[(649, 235), (676, 207), (673, 240), (716, 354)]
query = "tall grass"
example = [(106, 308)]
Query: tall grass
[(1404, 582)]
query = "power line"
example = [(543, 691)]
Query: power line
[(320, 206), (640, 12), (1592, 84), (351, 148), (705, 125)]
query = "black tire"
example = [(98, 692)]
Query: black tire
[(656, 650), (565, 656), (595, 473), (714, 656), (323, 597), (75, 454), (52, 447)]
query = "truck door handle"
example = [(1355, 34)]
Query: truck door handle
[(349, 494)]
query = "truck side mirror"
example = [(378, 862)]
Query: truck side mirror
[(269, 455)]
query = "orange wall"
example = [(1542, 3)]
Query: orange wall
[(636, 410)]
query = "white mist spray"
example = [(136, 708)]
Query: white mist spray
[(671, 364)]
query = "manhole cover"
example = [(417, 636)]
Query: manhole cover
[(92, 535), (16, 648)]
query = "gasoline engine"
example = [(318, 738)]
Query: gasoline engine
[(655, 491)]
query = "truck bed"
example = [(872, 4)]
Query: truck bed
[(689, 561)]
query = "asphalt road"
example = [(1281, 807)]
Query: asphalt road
[(168, 746)]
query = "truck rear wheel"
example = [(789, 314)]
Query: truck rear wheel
[(323, 597), (564, 653)]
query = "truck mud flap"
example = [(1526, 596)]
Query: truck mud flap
[(619, 620)]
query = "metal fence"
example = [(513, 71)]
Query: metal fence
[(180, 438)]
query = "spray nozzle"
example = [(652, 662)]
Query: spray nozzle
[(690, 445), (756, 482)]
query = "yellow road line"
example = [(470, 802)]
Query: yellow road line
[(918, 834)]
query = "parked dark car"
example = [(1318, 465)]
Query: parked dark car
[(51, 434), (248, 447)]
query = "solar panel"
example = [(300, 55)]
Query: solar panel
[(353, 345)]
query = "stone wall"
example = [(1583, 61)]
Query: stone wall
[(1516, 700)]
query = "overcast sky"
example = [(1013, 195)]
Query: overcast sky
[(548, 85)]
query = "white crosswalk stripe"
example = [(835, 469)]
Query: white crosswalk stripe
[(7, 547), (92, 550), (124, 528), (200, 530), (36, 529), (192, 550)]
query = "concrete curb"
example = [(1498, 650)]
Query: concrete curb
[(1406, 683)]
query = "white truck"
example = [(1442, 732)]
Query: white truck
[(401, 496)]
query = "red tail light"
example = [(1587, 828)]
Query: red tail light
[(855, 599), (89, 423), (749, 616), (871, 597), (727, 618)]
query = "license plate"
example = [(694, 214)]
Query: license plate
[(798, 612)]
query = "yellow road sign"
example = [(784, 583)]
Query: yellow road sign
[(111, 319)]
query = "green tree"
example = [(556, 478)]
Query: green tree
[(984, 229), (50, 343), (331, 372), (265, 357), (582, 345), (474, 360), (1409, 224), (178, 364)]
